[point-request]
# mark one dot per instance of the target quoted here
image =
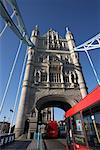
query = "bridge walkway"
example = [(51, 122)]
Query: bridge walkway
[(17, 145), (48, 144), (55, 144)]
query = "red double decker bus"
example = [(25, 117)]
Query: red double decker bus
[(51, 129), (83, 123)]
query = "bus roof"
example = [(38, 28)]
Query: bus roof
[(90, 99)]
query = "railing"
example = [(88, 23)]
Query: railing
[(6, 138)]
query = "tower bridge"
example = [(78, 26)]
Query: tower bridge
[(53, 73), (49, 78)]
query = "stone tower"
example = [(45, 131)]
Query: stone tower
[(53, 78)]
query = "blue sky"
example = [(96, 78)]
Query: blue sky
[(81, 16)]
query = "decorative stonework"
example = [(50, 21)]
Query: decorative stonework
[(71, 94), (52, 70)]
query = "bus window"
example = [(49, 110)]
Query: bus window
[(92, 126), (78, 133)]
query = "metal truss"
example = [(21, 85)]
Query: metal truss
[(90, 44), (18, 29)]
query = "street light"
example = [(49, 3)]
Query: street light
[(11, 110), (10, 121)]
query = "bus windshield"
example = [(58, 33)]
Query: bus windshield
[(91, 118), (78, 129)]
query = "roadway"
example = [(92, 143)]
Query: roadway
[(47, 144), (55, 144)]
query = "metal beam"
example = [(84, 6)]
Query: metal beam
[(93, 68), (15, 8), (21, 25), (91, 44), (22, 35)]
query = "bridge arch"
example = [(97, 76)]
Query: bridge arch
[(59, 101)]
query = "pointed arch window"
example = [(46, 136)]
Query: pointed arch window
[(37, 77), (72, 77), (43, 76), (66, 77)]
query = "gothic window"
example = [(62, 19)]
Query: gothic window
[(43, 76), (50, 39), (72, 77), (37, 77), (51, 77), (76, 77), (55, 77), (66, 77), (58, 77), (51, 58), (55, 40), (55, 73), (64, 45)]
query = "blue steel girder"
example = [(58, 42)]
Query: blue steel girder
[(91, 44), (19, 30), (15, 8)]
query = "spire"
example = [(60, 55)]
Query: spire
[(67, 29), (35, 31), (37, 28), (69, 34)]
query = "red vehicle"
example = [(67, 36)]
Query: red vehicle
[(83, 123), (52, 129)]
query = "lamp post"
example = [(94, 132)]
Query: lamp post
[(10, 121)]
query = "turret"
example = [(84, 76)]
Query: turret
[(75, 59), (23, 108), (35, 35)]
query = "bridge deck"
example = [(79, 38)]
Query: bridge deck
[(55, 144), (48, 144), (17, 145)]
